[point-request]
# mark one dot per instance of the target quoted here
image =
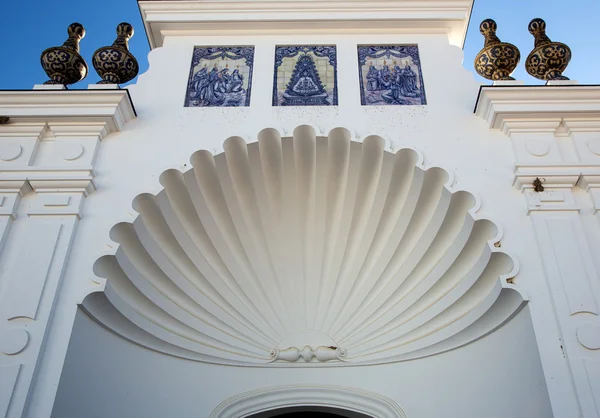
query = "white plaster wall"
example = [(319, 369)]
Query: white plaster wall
[(497, 377)]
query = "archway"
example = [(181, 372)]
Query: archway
[(309, 412), (296, 400)]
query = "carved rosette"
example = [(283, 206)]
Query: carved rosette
[(115, 64), (63, 64), (548, 59), (497, 60)]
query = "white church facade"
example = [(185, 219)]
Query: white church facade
[(303, 208)]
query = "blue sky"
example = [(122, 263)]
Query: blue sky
[(27, 27)]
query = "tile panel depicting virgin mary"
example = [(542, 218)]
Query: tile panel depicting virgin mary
[(305, 75), (220, 76), (390, 75)]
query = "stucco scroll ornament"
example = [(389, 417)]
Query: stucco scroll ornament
[(321, 353), (63, 64), (115, 64), (497, 60), (548, 59)]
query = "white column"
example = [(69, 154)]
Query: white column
[(34, 275), (555, 132), (574, 284), (53, 161)]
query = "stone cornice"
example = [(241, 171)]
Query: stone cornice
[(47, 179), (556, 176), (539, 108), (113, 108), (214, 17)]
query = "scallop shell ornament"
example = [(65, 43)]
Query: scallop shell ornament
[(305, 251)]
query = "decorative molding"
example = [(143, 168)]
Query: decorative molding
[(537, 148), (227, 17), (22, 129), (550, 200), (539, 108), (70, 151), (589, 336), (555, 175), (570, 264), (8, 380), (29, 299), (592, 371), (19, 142), (50, 179), (350, 399), (95, 130), (9, 202), (271, 256), (57, 204), (13, 341), (10, 151), (24, 294), (594, 145), (112, 108)]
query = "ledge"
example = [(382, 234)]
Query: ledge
[(227, 17), (47, 179), (555, 176), (111, 107), (539, 107)]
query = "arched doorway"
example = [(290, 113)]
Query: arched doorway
[(308, 401), (309, 412)]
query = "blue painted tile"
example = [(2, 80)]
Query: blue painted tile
[(305, 76), (220, 76), (390, 75)]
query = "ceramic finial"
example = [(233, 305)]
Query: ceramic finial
[(548, 59), (63, 64), (115, 64), (497, 60)]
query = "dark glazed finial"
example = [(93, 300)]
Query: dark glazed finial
[(488, 29), (115, 64), (548, 59), (124, 34), (63, 64), (537, 27), (497, 60)]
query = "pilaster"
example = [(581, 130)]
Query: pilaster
[(555, 133), (47, 154)]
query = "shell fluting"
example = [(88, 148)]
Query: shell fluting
[(304, 250)]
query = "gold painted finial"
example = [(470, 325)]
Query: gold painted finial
[(63, 64), (548, 59), (497, 60), (114, 63)]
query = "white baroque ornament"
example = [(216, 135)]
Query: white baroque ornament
[(322, 354), (358, 255)]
